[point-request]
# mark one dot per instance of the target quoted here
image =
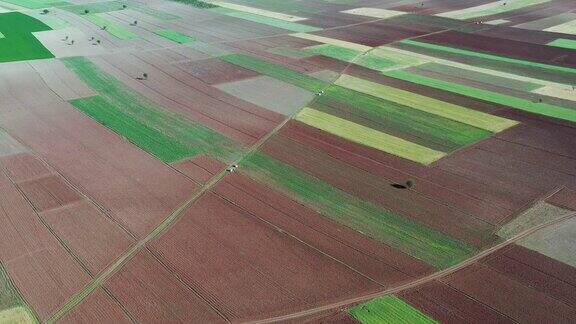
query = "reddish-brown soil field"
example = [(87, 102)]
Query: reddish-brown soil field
[(150, 292), (248, 268), (375, 260), (134, 188), (214, 71), (364, 185), (199, 168), (448, 305), (510, 297), (49, 192), (24, 166), (96, 308), (84, 229), (564, 198)]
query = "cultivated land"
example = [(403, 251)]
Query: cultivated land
[(371, 161)]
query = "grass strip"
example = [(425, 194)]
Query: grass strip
[(111, 27), (388, 310), (346, 54), (37, 4), (502, 99), (434, 106), (487, 56), (412, 238), (333, 41), (182, 132), (564, 43), (368, 136), (96, 7), (174, 36), (197, 4), (275, 71)]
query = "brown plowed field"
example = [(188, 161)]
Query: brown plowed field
[(84, 228), (96, 308), (376, 260), (247, 268), (49, 192), (24, 166), (150, 292), (199, 168), (134, 187), (512, 298)]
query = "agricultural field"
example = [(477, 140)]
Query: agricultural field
[(306, 161)]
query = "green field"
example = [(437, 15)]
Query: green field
[(389, 310), (37, 4), (155, 129), (174, 36), (18, 43), (13, 309), (564, 43), (112, 28), (415, 239)]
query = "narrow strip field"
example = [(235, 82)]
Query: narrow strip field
[(388, 309)]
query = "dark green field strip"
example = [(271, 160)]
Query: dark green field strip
[(479, 77), (275, 71), (388, 310), (484, 62), (130, 104), (502, 99), (401, 233), (18, 43), (147, 138), (398, 119)]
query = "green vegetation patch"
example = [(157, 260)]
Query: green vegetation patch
[(487, 56), (162, 133), (346, 54), (389, 310), (276, 71), (396, 231), (13, 309), (400, 119), (174, 36), (197, 3), (502, 99), (111, 27), (18, 43), (37, 4), (564, 43)]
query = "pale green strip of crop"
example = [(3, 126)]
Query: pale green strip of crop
[(490, 9), (502, 99), (36, 4), (565, 28), (369, 137), (564, 43), (174, 36), (389, 310), (406, 235), (427, 104), (492, 57), (1, 35), (111, 27), (288, 25), (258, 11)]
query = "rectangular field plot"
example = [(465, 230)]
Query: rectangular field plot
[(389, 309)]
